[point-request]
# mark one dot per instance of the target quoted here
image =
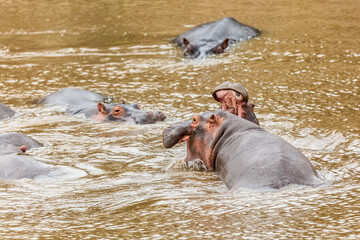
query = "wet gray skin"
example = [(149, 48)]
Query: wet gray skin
[(244, 154), (19, 139), (213, 37), (13, 164), (5, 112), (9, 148), (248, 107), (95, 105)]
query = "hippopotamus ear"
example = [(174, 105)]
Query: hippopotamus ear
[(101, 108), (221, 47), (23, 148), (186, 42), (214, 120), (225, 44)]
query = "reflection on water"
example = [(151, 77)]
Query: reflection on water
[(302, 73)]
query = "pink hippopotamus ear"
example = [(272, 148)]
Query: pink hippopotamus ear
[(101, 108), (221, 47), (101, 115), (23, 148)]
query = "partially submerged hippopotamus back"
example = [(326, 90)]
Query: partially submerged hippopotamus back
[(244, 154), (14, 164), (5, 112), (214, 37), (235, 99), (19, 140), (95, 105)]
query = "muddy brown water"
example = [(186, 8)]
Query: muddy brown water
[(302, 73)]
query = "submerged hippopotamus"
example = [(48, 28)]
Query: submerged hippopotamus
[(213, 37), (14, 164), (19, 140), (244, 154), (95, 106), (5, 112), (234, 99)]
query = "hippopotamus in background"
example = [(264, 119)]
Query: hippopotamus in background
[(234, 99), (5, 112), (244, 154), (213, 37), (95, 106)]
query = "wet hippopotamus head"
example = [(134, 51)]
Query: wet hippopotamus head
[(234, 99), (199, 134), (192, 50), (127, 112)]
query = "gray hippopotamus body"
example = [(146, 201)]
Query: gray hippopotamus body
[(235, 99), (18, 139), (214, 37), (94, 105), (17, 166), (14, 164), (243, 153), (5, 112)]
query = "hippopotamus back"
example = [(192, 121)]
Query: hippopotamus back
[(14, 166), (69, 97), (5, 112), (249, 156), (19, 139), (217, 31)]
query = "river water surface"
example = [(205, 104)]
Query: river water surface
[(302, 73)]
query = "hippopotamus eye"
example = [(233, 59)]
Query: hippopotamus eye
[(237, 94)]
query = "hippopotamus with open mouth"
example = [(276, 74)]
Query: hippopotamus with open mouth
[(234, 99), (95, 106), (244, 154), (213, 37), (5, 112)]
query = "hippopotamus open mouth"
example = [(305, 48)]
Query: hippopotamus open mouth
[(244, 154), (234, 99)]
